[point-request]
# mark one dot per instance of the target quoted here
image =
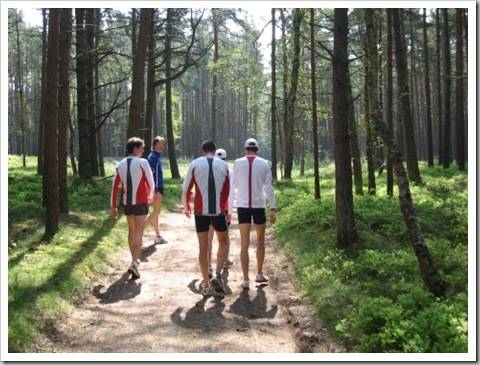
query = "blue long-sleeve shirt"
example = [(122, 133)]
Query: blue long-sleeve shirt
[(155, 161)]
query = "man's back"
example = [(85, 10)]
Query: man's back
[(210, 177), (253, 178)]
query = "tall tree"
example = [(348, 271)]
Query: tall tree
[(84, 152), (314, 105), (19, 86), (439, 88), (404, 91), (459, 108), (64, 105), (389, 98), (428, 103), (447, 126), (168, 97), (354, 148), (273, 158), (346, 230), (289, 122), (43, 97), (50, 177), (216, 25), (136, 111)]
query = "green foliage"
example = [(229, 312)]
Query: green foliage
[(45, 278), (372, 295)]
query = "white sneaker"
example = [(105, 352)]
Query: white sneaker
[(245, 285), (228, 264), (133, 269), (217, 283), (207, 291), (159, 240), (260, 278)]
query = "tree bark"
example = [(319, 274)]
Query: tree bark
[(354, 149), (459, 107), (273, 158), (428, 104), (346, 230), (64, 118), (447, 127), (136, 111), (314, 105), (389, 97), (84, 152), (402, 73), (289, 128), (50, 177), (168, 102)]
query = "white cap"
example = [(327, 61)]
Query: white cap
[(251, 142), (221, 153)]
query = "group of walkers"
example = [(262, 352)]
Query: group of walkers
[(213, 184)]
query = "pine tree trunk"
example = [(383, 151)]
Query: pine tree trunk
[(168, 102), (138, 83), (459, 108), (273, 158), (50, 176), (402, 73), (346, 230), (64, 118), (314, 105)]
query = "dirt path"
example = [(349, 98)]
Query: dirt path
[(164, 312)]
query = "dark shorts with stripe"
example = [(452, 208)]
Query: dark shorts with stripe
[(245, 215), (137, 209), (218, 222), (160, 190)]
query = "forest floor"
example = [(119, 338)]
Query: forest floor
[(164, 312)]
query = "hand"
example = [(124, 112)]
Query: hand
[(228, 217), (114, 212), (272, 217), (187, 214)]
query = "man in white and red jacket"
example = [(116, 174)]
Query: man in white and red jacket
[(210, 177), (253, 179)]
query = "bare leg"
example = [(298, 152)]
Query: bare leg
[(227, 252), (260, 228), (209, 247), (153, 217), (136, 226), (222, 249), (202, 256), (244, 242)]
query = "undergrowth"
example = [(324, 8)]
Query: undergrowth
[(372, 295)]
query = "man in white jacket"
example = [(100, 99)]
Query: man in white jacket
[(253, 180)]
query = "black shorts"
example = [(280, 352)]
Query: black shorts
[(202, 223), (160, 190), (137, 209), (245, 215)]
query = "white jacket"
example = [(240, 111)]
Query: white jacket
[(253, 179)]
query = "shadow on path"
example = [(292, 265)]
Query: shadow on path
[(122, 289)]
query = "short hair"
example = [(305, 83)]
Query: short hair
[(156, 140), (253, 149), (209, 146), (134, 142)]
